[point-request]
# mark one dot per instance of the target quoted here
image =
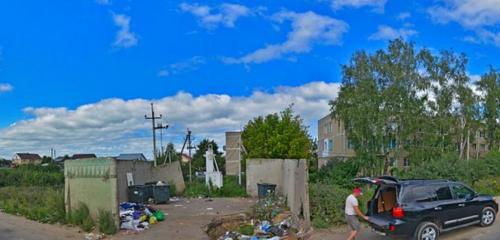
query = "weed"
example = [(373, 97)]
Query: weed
[(106, 223)]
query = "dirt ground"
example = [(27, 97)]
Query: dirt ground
[(19, 228), (185, 218)]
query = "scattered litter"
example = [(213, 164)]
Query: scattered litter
[(94, 236), (210, 209), (138, 217)]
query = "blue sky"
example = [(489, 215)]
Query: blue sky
[(65, 66)]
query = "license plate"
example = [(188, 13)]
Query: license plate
[(379, 232)]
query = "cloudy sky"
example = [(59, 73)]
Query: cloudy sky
[(78, 76)]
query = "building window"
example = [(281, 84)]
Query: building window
[(481, 134), (406, 162), (393, 162), (483, 147), (392, 144), (327, 147), (349, 144)]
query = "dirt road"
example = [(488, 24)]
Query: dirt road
[(19, 228)]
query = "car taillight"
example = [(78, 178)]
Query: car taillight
[(392, 228), (398, 212)]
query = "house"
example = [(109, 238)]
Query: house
[(26, 158), (186, 158), (131, 157), (83, 156)]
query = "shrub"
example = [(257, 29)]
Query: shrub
[(230, 188), (81, 217), (327, 204), (490, 186), (106, 223), (32, 175)]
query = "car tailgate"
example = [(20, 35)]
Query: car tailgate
[(382, 222)]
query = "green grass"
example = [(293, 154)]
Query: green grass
[(230, 188), (43, 204), (106, 223), (81, 217)]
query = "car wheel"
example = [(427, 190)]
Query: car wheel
[(427, 231), (487, 217)]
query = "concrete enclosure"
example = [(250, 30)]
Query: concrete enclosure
[(290, 176), (102, 183)]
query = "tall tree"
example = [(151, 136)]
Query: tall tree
[(276, 135), (490, 86)]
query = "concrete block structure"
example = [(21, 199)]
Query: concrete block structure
[(102, 183), (233, 159), (291, 178)]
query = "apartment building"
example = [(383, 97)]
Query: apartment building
[(333, 144)]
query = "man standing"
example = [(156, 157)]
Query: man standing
[(351, 210)]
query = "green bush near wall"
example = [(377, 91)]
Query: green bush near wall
[(230, 188)]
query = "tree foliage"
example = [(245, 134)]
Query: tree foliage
[(276, 135), (407, 102)]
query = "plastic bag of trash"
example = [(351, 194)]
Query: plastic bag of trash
[(152, 220), (160, 216), (127, 225)]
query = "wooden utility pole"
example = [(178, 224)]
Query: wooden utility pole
[(153, 118), (188, 141)]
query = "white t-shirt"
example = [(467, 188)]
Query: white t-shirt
[(350, 203)]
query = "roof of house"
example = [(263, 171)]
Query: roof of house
[(83, 155), (131, 156), (29, 156)]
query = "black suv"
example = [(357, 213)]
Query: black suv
[(421, 209)]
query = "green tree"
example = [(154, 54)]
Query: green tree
[(276, 135), (170, 155), (403, 102), (490, 86)]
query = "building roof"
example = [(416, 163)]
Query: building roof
[(29, 156), (83, 155), (131, 157)]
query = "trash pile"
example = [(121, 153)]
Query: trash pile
[(138, 217), (271, 221)]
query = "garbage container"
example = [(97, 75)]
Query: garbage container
[(139, 193), (265, 189), (161, 193)]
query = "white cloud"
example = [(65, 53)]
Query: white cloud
[(308, 29), (103, 2), (377, 5), (5, 87), (404, 15), (481, 17), (187, 65), (115, 125), (124, 37), (385, 32), (226, 14)]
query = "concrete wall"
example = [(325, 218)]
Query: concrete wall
[(143, 172), (92, 182), (290, 176), (231, 148)]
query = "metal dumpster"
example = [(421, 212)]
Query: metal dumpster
[(139, 193)]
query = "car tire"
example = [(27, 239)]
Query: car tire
[(487, 217), (427, 231)]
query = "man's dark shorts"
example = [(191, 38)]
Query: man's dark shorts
[(352, 221)]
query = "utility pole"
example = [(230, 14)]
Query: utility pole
[(188, 140), (160, 126), (153, 118)]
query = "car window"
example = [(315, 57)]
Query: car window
[(443, 192), (460, 191), (428, 193), (420, 194)]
